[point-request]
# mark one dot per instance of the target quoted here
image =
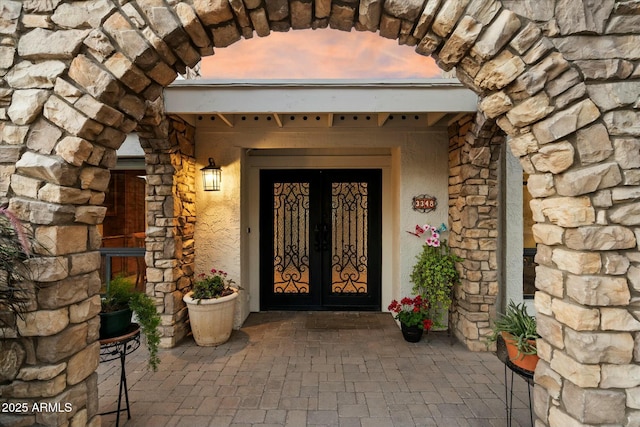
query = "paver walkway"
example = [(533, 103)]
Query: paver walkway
[(315, 369)]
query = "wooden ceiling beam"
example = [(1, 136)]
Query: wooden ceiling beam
[(433, 118), (456, 118), (225, 119), (278, 120), (382, 118)]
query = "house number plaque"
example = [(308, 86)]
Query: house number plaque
[(424, 203)]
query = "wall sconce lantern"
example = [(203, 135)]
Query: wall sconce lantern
[(211, 176)]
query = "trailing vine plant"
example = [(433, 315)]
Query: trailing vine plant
[(434, 274), (121, 295), (149, 321)]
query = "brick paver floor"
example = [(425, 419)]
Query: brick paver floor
[(315, 369)]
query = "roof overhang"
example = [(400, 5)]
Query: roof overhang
[(318, 96)]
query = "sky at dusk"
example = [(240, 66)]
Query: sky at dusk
[(318, 54)]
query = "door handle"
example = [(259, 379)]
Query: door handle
[(325, 237), (321, 234), (317, 238)]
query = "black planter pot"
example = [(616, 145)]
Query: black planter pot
[(114, 323), (411, 333)]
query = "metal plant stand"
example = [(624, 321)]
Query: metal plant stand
[(118, 348), (509, 367)]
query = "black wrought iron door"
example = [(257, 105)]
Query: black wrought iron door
[(320, 239)]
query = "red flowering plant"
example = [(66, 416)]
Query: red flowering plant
[(213, 285), (412, 312)]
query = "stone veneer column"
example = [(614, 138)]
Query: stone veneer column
[(474, 149), (170, 164), (73, 98), (586, 188), (57, 146), (574, 140), (561, 79)]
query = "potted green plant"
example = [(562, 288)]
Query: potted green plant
[(118, 304), (413, 315), (211, 305), (434, 274), (518, 329)]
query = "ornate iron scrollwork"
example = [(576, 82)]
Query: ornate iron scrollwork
[(342, 237), (349, 257), (291, 237)]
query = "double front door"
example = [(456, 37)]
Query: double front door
[(320, 239)]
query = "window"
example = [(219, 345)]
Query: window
[(123, 229)]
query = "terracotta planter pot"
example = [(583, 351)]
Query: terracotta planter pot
[(211, 319), (527, 362)]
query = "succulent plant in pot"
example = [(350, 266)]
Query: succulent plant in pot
[(518, 329)]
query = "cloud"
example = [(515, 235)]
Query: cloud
[(318, 54)]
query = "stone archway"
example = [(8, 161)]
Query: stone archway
[(79, 76)]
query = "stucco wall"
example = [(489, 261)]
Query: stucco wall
[(424, 170), (512, 222), (415, 157)]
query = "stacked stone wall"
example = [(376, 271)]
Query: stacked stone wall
[(474, 149), (584, 189), (171, 217), (58, 142)]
